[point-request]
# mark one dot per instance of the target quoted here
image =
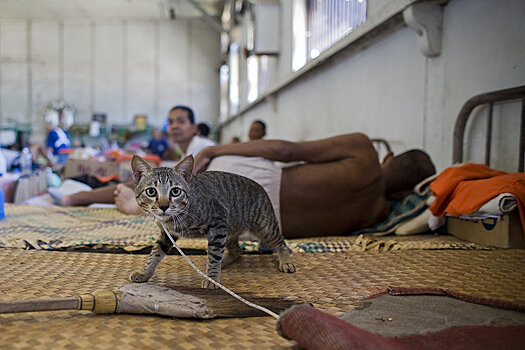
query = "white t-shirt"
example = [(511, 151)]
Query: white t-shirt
[(197, 144)]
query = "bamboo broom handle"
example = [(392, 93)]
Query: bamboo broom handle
[(100, 302), (7, 307)]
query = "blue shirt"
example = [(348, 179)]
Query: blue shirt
[(57, 140), (158, 146)]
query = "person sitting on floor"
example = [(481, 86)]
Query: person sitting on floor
[(182, 140), (182, 134), (58, 141), (158, 143), (339, 185)]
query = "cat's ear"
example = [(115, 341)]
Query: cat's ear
[(139, 166), (185, 167)]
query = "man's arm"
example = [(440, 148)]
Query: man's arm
[(320, 151)]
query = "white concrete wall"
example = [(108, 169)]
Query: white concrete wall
[(483, 50), (391, 90), (118, 68)]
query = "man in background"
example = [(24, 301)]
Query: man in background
[(337, 187), (257, 130), (203, 130)]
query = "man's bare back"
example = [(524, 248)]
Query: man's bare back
[(338, 188), (334, 197)]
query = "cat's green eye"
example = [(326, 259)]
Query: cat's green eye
[(151, 192), (175, 192)]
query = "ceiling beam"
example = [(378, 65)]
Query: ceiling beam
[(213, 23)]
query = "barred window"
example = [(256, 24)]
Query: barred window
[(318, 24), (235, 56)]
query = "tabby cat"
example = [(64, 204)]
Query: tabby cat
[(214, 204)]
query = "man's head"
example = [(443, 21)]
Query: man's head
[(405, 171), (203, 129), (257, 130), (181, 124), (235, 139)]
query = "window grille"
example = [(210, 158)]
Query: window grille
[(235, 56), (318, 24), (224, 106)]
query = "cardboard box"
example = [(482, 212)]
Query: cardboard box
[(77, 167), (505, 232)]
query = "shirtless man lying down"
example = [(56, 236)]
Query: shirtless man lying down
[(338, 185)]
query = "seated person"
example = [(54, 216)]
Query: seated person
[(338, 187), (182, 140), (182, 134), (58, 141), (158, 143)]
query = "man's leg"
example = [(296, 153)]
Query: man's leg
[(125, 200), (98, 195)]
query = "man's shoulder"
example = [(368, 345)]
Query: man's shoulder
[(204, 140), (198, 144)]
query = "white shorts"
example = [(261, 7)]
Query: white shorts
[(260, 170)]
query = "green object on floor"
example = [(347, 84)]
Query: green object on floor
[(54, 180)]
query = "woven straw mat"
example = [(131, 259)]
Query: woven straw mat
[(332, 282), (60, 228)]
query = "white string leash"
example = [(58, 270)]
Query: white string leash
[(255, 306)]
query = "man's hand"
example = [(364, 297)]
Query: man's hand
[(202, 159)]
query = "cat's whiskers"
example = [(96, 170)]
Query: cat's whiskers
[(186, 217), (176, 222), (184, 221), (191, 218), (155, 216), (190, 215), (148, 216)]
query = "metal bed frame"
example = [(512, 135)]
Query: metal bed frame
[(489, 99)]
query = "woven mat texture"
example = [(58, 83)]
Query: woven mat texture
[(59, 228), (333, 282)]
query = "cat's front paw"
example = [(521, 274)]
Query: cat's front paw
[(139, 277), (288, 267), (209, 285)]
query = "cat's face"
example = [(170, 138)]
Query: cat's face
[(162, 192)]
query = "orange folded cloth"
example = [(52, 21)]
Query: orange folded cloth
[(464, 189)]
